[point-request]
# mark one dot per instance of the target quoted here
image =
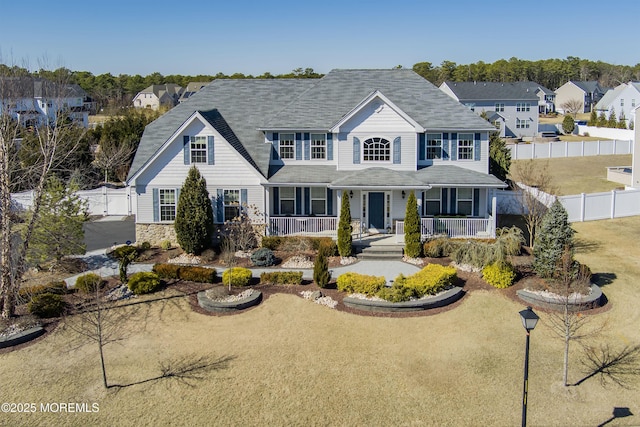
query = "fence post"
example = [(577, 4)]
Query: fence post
[(614, 146), (598, 150), (533, 151), (583, 199), (582, 148), (566, 148), (550, 149), (613, 203), (105, 209)]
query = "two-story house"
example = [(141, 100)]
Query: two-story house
[(156, 96), (293, 148), (623, 99), (511, 107), (35, 101), (587, 93)]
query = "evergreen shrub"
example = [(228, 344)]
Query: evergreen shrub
[(239, 276), (47, 305), (167, 271), (499, 275), (429, 281), (143, 282), (197, 274), (271, 242), (263, 257), (360, 283), (281, 278), (89, 282)]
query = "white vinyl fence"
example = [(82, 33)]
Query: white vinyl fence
[(556, 149), (100, 201)]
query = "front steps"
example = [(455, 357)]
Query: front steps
[(379, 252)]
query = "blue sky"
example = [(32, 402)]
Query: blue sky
[(252, 37)]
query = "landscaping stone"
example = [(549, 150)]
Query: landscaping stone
[(226, 306), (440, 300), (314, 296), (21, 337), (556, 302)]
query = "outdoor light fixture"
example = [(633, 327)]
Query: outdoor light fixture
[(403, 194), (529, 321), (351, 194)]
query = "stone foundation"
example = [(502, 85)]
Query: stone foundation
[(156, 234)]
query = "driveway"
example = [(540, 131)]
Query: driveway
[(104, 232)]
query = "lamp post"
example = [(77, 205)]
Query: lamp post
[(529, 320)]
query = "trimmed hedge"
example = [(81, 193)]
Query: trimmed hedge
[(271, 242), (239, 276), (499, 275), (429, 281), (186, 272), (89, 282), (167, 271), (281, 278), (300, 243), (360, 283), (47, 305), (58, 288), (143, 282)]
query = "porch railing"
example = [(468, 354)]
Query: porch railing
[(303, 226), (452, 227)]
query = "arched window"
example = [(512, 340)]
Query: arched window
[(376, 150)]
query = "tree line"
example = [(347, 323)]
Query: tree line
[(116, 91)]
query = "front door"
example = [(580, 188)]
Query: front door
[(376, 211)]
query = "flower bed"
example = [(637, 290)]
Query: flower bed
[(577, 302), (229, 304), (376, 304)]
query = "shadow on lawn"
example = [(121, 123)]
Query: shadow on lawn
[(603, 279), (186, 370), (618, 412)]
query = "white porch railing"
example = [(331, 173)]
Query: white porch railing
[(452, 227), (303, 226)]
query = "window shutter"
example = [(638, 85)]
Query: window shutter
[(186, 150), (243, 199), (307, 146), (298, 146), (276, 146), (329, 146), (276, 201), (210, 159), (330, 201), (445, 146), (476, 202), (453, 202), (298, 200), (156, 205), (476, 147), (356, 151), (454, 146), (307, 200), (445, 199), (397, 148), (421, 147), (220, 205)]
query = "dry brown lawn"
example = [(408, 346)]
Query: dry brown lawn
[(299, 363), (577, 175)]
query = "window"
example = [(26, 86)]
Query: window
[(198, 147), (432, 202), (522, 124), (465, 146), (318, 146), (499, 107), (287, 200), (523, 106), (633, 102), (287, 146), (231, 204), (434, 146), (318, 201), (622, 102), (167, 203), (465, 201), (497, 124), (376, 150)]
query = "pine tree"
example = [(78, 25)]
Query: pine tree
[(622, 121), (602, 120), (321, 273), (613, 121), (194, 215), (345, 240), (499, 157), (412, 244), (593, 118), (554, 237)]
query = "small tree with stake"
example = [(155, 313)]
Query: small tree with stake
[(412, 244), (321, 273), (345, 240)]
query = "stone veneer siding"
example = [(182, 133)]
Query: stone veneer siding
[(156, 233)]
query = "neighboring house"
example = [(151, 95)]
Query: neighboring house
[(38, 101), (293, 148), (516, 104), (622, 99), (156, 96), (191, 89), (587, 93)]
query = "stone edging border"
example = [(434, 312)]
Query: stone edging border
[(445, 298), (588, 302), (21, 337), (225, 306)]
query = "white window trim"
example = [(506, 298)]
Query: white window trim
[(499, 107), (194, 139), (426, 201), (292, 146), (225, 205), (471, 146), (323, 145), (161, 192), (390, 150), (458, 200), (427, 146), (312, 198), (281, 199)]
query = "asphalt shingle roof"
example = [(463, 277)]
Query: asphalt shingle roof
[(490, 91), (587, 86), (242, 107)]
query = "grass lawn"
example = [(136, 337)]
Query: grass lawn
[(575, 175), (299, 363)]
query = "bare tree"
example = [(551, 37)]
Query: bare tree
[(113, 156), (573, 107), (533, 182), (54, 138)]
